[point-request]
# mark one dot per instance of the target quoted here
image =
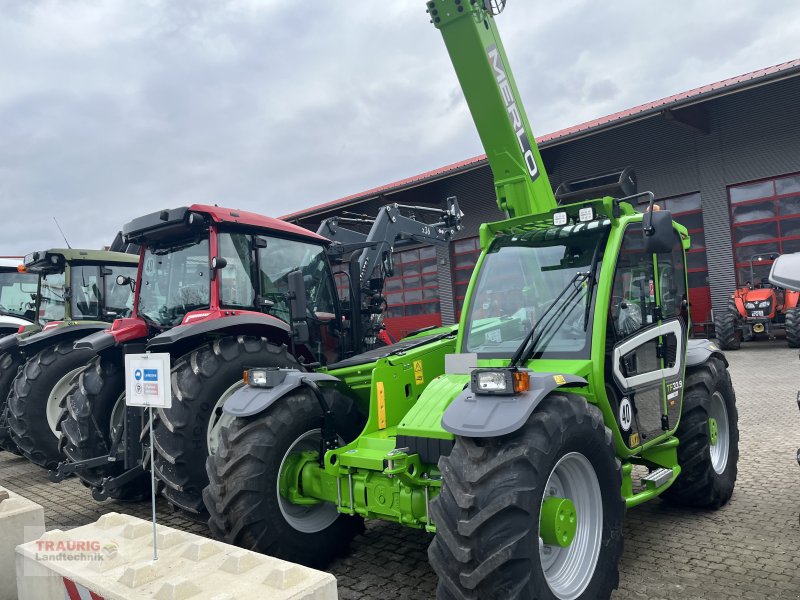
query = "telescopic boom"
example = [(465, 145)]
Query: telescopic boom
[(480, 62)]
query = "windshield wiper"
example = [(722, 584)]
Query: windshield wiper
[(520, 355), (591, 283)]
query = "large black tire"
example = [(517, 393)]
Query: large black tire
[(30, 395), (86, 425), (242, 496), (726, 328), (487, 515), (10, 362), (700, 484), (199, 380), (792, 326)]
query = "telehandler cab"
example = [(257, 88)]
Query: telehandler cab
[(221, 290), (520, 456)]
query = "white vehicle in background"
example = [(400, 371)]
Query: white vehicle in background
[(17, 296), (785, 273)]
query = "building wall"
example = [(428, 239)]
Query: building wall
[(752, 134)]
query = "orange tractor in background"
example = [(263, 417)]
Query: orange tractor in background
[(758, 309)]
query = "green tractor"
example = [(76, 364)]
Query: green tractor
[(76, 295), (570, 393)]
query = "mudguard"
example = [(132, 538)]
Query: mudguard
[(9, 342), (476, 416), (98, 341), (248, 400), (244, 322), (699, 351), (50, 336)]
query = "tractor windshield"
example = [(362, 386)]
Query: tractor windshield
[(521, 277), (51, 298), (175, 281), (271, 264), (95, 293), (17, 294)]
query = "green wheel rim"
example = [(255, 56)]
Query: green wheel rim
[(720, 450), (569, 570)]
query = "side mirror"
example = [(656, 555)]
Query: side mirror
[(259, 242), (298, 303), (217, 263), (125, 280), (657, 231)]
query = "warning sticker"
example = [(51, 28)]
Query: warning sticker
[(633, 440), (381, 405), (559, 379), (419, 376)]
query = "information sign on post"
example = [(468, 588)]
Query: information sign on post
[(147, 384), (147, 380)]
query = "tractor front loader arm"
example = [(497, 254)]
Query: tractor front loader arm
[(391, 227)]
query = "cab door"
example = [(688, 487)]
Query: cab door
[(646, 339)]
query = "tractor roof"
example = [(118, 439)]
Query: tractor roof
[(164, 225), (10, 263), (42, 260)]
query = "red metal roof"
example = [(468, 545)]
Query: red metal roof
[(637, 112), (229, 215)]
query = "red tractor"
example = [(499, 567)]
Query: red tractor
[(759, 308)]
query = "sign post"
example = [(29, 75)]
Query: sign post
[(147, 384)]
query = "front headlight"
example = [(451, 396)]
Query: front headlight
[(500, 381), (750, 305), (492, 381), (256, 378), (764, 304)]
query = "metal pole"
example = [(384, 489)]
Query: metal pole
[(153, 485)]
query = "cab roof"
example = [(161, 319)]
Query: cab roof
[(77, 254), (10, 262), (242, 217), (166, 226)]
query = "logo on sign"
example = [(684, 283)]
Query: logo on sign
[(150, 375), (137, 374)]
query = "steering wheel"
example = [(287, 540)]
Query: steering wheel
[(629, 319)]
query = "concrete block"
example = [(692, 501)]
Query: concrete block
[(20, 521), (119, 566)]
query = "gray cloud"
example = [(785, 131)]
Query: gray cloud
[(112, 109)]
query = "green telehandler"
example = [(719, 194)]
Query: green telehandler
[(570, 393), (77, 294)]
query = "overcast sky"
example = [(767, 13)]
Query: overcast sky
[(110, 109)]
